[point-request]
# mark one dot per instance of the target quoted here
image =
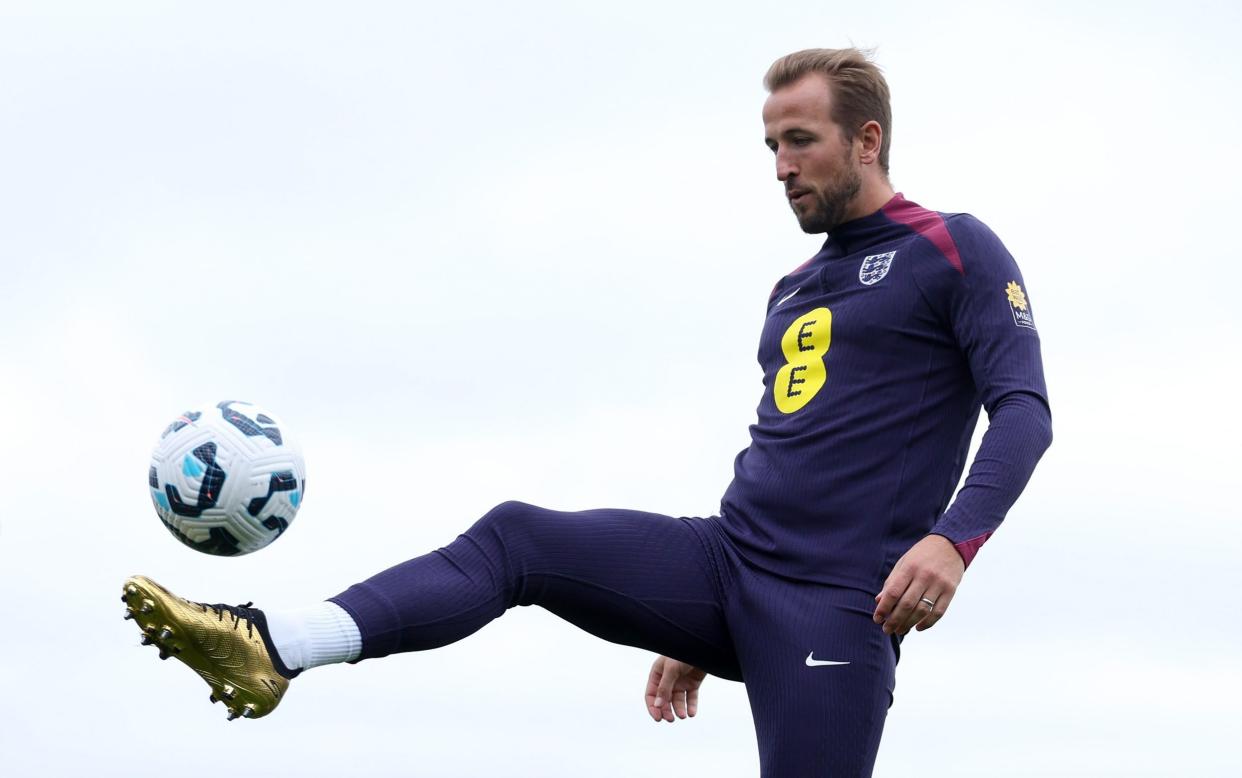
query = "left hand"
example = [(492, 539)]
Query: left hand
[(932, 568)]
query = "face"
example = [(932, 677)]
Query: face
[(820, 170)]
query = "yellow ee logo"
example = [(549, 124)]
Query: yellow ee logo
[(805, 344)]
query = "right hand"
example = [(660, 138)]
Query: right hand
[(673, 687)]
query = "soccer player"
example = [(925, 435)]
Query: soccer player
[(836, 536)]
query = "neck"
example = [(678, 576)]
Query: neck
[(875, 192)]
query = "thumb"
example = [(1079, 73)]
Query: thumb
[(664, 691)]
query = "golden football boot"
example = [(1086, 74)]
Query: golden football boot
[(228, 645)]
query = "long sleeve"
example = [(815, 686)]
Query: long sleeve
[(992, 321), (1019, 431)]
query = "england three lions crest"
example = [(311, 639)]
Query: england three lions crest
[(875, 267)]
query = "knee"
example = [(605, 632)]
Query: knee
[(510, 537), (506, 520), (507, 512)]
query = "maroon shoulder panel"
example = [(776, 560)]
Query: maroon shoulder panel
[(927, 223)]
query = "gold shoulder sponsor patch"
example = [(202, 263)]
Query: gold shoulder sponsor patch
[(1018, 306)]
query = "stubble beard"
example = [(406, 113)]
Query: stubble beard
[(832, 204)]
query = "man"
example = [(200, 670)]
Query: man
[(836, 537)]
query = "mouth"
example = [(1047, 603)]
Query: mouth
[(797, 194)]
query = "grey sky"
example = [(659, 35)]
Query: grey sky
[(522, 251)]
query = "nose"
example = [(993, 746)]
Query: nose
[(785, 168)]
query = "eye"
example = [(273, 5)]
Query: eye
[(802, 140)]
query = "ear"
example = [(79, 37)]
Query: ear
[(869, 137)]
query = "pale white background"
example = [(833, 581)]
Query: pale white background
[(501, 250)]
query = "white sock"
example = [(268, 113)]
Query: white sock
[(309, 637)]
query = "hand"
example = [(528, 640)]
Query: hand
[(673, 687), (932, 568)]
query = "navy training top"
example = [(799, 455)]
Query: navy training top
[(877, 354)]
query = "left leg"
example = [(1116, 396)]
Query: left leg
[(819, 675)]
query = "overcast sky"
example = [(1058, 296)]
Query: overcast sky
[(474, 253)]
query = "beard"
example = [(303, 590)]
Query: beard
[(832, 203)]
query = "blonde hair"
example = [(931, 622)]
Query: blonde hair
[(859, 91)]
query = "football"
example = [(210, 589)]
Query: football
[(227, 479)]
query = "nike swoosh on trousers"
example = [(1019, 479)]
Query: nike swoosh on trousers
[(811, 661)]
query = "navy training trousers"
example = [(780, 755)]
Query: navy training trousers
[(674, 586)]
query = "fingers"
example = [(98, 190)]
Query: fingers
[(672, 690), (690, 681), (912, 611), (680, 703), (889, 600), (935, 613), (907, 606), (686, 690), (686, 693), (920, 611)]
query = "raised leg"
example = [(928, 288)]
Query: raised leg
[(629, 577)]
